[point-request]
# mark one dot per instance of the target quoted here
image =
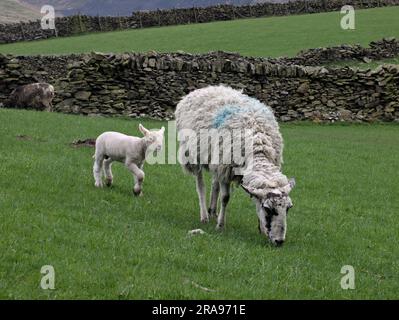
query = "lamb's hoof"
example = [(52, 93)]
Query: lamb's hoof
[(108, 182), (138, 193), (212, 212)]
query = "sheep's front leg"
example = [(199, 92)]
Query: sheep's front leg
[(47, 106), (202, 197), (138, 178), (108, 172), (225, 197), (214, 197), (97, 173)]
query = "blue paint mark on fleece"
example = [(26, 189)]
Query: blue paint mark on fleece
[(229, 110), (225, 113)]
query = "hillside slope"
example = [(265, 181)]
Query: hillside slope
[(15, 11)]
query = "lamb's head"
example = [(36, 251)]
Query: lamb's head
[(273, 204), (154, 138)]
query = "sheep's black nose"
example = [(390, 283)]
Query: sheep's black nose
[(279, 242)]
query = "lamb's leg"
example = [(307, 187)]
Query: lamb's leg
[(261, 217), (225, 197), (214, 197), (97, 170), (202, 197), (108, 172), (138, 178)]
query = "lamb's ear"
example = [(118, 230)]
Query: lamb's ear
[(143, 130)]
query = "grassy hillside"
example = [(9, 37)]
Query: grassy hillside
[(274, 36), (14, 11), (107, 244), (124, 7)]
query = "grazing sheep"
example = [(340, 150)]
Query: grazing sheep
[(222, 108), (132, 151), (35, 95)]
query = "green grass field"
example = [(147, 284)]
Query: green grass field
[(275, 36), (104, 243)]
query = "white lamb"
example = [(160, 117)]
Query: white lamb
[(132, 151), (222, 108)]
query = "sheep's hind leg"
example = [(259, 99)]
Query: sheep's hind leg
[(97, 171), (138, 178), (108, 172), (214, 197), (225, 197), (202, 197)]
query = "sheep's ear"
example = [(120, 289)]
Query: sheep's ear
[(250, 191), (287, 189), (143, 130), (247, 190), (292, 182), (162, 130), (273, 194)]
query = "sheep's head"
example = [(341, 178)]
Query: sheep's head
[(273, 204), (154, 138)]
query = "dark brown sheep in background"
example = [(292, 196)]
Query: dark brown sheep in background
[(37, 96)]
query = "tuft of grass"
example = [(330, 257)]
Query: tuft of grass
[(105, 243), (265, 37)]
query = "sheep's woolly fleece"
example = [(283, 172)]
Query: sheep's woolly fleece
[(223, 108)]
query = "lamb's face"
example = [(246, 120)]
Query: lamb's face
[(154, 138), (276, 209), (157, 139)]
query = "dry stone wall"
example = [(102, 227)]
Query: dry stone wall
[(151, 84), (377, 50), (73, 25)]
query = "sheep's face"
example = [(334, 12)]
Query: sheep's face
[(272, 207), (275, 208)]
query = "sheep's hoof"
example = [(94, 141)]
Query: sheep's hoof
[(108, 182), (220, 227), (98, 184), (204, 219), (138, 193)]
